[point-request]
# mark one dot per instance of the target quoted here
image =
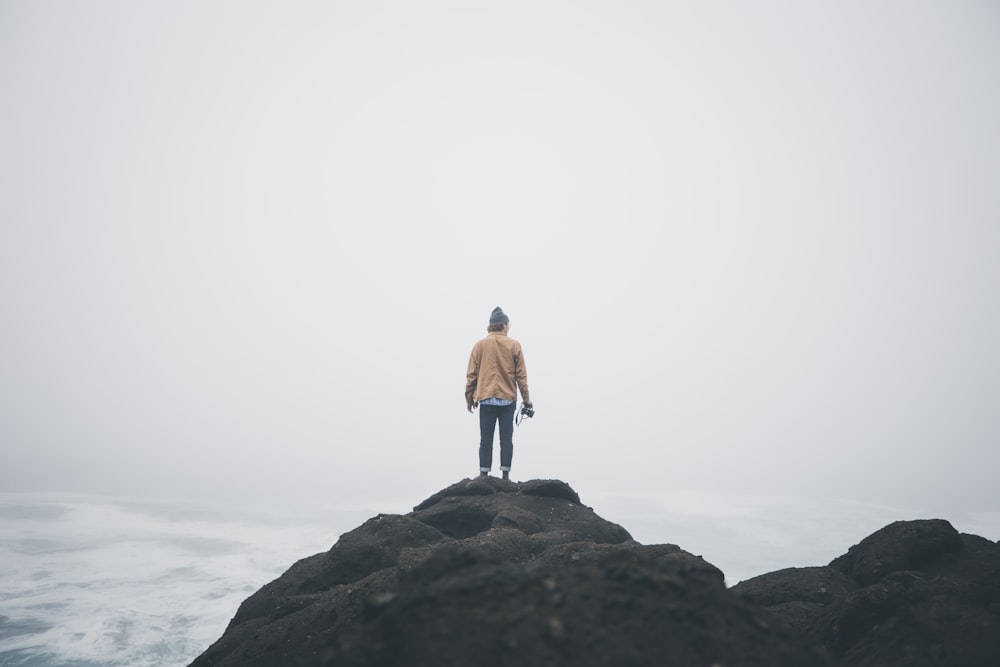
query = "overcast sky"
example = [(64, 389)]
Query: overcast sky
[(246, 247)]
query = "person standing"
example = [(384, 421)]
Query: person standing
[(496, 373)]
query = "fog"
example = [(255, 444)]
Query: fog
[(246, 247)]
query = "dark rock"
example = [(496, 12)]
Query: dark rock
[(550, 488), (467, 487), (490, 572), (913, 593), (902, 545), (373, 546), (802, 598)]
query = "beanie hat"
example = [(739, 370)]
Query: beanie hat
[(499, 317)]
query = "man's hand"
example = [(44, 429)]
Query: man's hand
[(472, 405)]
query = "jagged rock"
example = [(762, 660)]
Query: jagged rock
[(489, 572), (915, 593)]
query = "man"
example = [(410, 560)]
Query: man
[(496, 372)]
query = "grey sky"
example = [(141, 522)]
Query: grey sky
[(246, 247)]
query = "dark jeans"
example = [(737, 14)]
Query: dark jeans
[(489, 415)]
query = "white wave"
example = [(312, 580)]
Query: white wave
[(128, 582)]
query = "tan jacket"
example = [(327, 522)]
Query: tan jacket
[(496, 370)]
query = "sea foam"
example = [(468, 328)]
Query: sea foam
[(112, 581)]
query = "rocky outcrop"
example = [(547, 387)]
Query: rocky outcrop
[(914, 593), (489, 572)]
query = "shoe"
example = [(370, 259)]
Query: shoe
[(506, 475), (483, 474)]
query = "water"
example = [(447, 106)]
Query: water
[(102, 581), (92, 581)]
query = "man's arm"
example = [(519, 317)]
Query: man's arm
[(471, 379), (521, 374)]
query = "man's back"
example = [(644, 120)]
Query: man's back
[(496, 365)]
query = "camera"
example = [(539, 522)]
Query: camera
[(527, 411)]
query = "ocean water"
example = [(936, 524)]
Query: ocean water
[(96, 581), (88, 581)]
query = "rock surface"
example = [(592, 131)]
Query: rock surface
[(489, 572), (915, 593)]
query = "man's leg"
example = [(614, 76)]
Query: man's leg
[(506, 418), (487, 425)]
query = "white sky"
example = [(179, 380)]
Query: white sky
[(246, 248)]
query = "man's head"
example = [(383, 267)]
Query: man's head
[(498, 320)]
